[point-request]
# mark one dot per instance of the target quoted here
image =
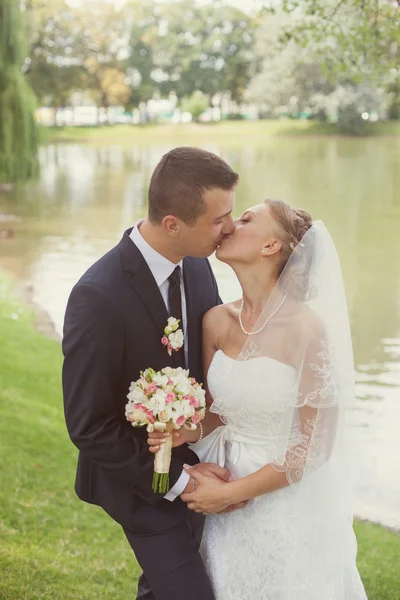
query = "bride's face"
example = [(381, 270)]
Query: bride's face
[(254, 237)]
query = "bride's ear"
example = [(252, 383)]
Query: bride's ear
[(271, 247)]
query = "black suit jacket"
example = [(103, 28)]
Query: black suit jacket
[(113, 326)]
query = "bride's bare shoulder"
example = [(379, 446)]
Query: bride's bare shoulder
[(219, 317)]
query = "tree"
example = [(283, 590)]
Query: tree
[(56, 48), (18, 136), (104, 53), (185, 47), (76, 49), (290, 80), (294, 81), (357, 38), (196, 105)]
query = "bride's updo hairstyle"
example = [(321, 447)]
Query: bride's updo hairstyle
[(293, 224)]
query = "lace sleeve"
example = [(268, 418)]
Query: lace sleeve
[(315, 414)]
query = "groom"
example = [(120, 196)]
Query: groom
[(113, 327)]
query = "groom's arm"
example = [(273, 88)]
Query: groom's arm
[(93, 351)]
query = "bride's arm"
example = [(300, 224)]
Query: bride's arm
[(268, 478), (210, 333), (211, 327)]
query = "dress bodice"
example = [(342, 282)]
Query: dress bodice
[(251, 396)]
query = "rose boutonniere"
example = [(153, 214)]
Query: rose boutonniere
[(173, 336)]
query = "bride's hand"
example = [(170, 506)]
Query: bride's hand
[(156, 438)]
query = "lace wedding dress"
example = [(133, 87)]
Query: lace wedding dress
[(296, 543)]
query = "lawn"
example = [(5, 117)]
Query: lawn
[(52, 545), (228, 132)]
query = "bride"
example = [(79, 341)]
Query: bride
[(279, 372)]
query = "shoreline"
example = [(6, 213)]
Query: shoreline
[(42, 321), (228, 132)]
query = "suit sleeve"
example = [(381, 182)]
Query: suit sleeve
[(93, 352)]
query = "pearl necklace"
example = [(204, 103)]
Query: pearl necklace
[(266, 321)]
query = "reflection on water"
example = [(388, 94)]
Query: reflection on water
[(87, 196)]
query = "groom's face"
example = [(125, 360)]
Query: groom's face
[(204, 237)]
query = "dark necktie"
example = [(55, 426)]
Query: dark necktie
[(175, 308)]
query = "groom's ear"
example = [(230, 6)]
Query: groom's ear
[(271, 247), (171, 225)]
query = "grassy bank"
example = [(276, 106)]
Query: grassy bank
[(54, 547), (224, 132)]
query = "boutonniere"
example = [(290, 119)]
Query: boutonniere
[(173, 336)]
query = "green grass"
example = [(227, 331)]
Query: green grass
[(52, 546), (229, 132)]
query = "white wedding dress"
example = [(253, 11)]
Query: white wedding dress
[(283, 545)]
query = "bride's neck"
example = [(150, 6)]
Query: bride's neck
[(257, 285)]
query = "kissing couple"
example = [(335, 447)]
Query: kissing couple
[(259, 505)]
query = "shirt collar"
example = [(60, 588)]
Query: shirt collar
[(160, 266)]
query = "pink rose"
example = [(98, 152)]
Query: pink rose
[(194, 402), (164, 340), (196, 418), (170, 398), (169, 348), (151, 389), (180, 420)]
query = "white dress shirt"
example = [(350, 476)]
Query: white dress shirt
[(161, 269)]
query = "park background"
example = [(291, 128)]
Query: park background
[(302, 98)]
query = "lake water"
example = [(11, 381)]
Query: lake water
[(88, 195)]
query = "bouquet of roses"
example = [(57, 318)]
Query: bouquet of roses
[(164, 401)]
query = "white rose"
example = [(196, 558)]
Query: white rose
[(166, 415), (137, 417), (184, 386), (176, 339), (169, 371), (173, 323), (160, 380), (137, 395), (200, 394), (187, 410), (157, 402)]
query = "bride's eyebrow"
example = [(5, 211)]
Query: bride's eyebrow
[(248, 212)]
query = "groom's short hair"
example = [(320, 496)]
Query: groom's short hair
[(179, 180)]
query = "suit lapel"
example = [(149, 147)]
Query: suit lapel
[(143, 282)]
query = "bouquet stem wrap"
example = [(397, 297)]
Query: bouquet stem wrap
[(162, 459)]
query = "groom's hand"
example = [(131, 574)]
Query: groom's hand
[(209, 470), (211, 495), (212, 470)]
